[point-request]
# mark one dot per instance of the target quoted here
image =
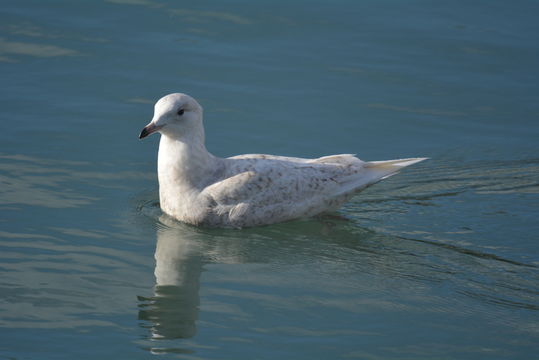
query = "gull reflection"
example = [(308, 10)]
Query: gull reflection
[(182, 251), (173, 310)]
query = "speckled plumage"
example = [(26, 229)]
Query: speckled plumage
[(247, 190)]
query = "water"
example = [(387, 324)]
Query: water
[(439, 262)]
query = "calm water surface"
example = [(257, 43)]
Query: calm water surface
[(439, 262)]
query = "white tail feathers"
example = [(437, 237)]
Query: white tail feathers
[(399, 163), (372, 172), (384, 169)]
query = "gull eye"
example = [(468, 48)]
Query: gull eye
[(180, 112)]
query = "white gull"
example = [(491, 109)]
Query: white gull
[(248, 190)]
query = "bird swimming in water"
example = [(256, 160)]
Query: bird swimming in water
[(198, 188)]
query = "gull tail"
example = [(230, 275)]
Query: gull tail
[(373, 172), (380, 170)]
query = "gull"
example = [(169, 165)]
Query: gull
[(198, 188)]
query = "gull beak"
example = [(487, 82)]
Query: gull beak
[(148, 130)]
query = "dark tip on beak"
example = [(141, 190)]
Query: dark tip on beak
[(148, 130), (144, 133)]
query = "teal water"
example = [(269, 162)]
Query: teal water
[(438, 262)]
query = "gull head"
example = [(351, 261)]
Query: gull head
[(175, 115)]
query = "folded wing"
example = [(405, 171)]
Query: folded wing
[(278, 188)]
